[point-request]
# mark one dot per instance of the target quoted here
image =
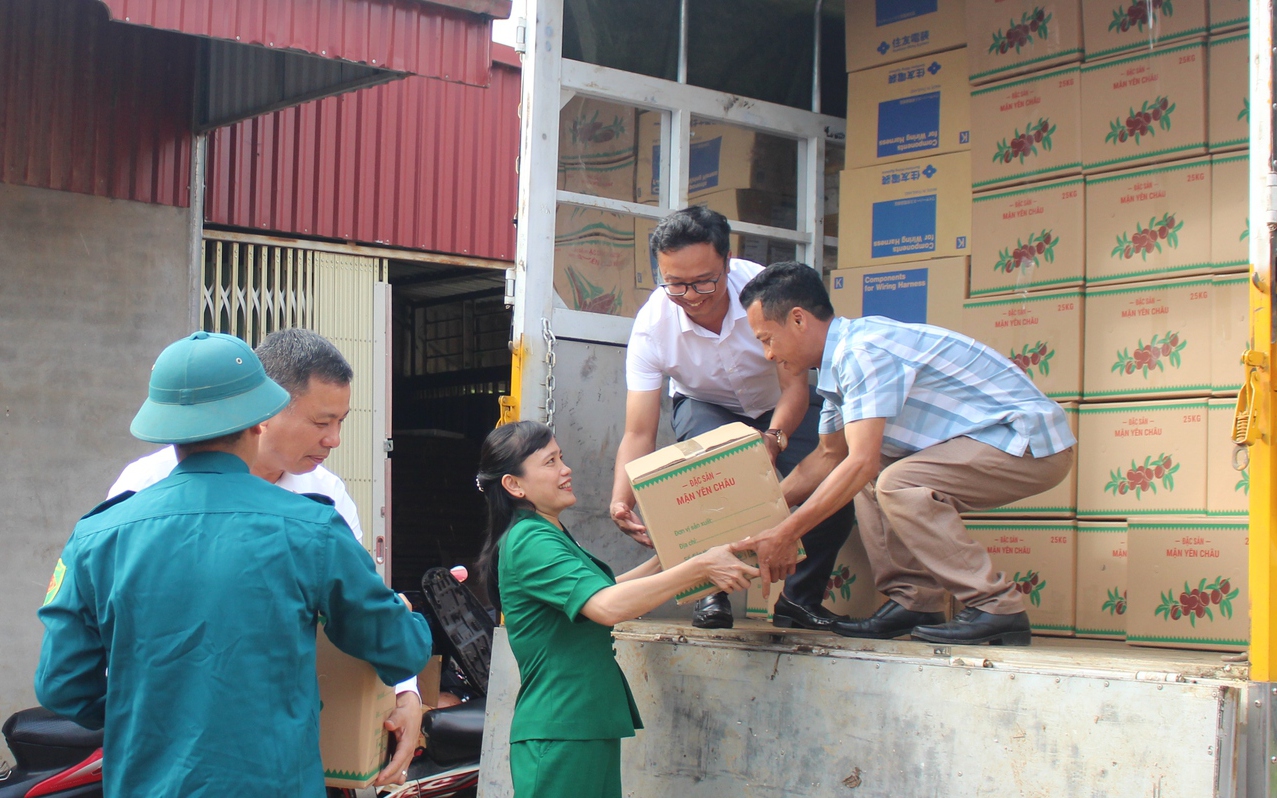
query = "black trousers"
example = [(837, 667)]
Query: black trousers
[(807, 586)]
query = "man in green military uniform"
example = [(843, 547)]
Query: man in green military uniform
[(183, 618)]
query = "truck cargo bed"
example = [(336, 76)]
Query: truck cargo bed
[(759, 711)]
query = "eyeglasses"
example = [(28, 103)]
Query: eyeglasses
[(700, 287)]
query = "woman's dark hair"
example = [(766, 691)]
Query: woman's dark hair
[(694, 225), (784, 286), (503, 452)]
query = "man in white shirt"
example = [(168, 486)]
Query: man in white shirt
[(695, 333), (293, 447)]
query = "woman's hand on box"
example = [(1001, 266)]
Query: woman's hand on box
[(777, 555), (627, 520), (726, 570)]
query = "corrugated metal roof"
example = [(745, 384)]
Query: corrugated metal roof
[(91, 107), (401, 35), (418, 163)]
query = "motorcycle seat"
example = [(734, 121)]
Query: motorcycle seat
[(454, 733), (40, 727)]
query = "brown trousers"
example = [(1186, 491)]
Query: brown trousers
[(917, 544)]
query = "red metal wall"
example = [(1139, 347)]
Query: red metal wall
[(417, 163), (403, 35), (91, 107)]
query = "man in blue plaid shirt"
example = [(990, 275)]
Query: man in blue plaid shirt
[(920, 424)]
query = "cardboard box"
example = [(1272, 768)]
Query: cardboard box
[(706, 491), (1009, 226), (1230, 332), (1141, 458), (1124, 325), (594, 261), (353, 705), (1041, 333), (1057, 502), (1011, 37), (1027, 128), (1123, 207), (923, 292), (918, 107), (1119, 27), (1041, 558), (1230, 213), (1228, 70), (720, 157), (1168, 84), (884, 32), (743, 205), (1101, 580), (428, 681), (850, 590), (1227, 489), (596, 148), (1178, 565), (1227, 14), (905, 211)]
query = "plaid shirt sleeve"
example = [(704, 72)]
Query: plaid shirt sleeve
[(874, 383)]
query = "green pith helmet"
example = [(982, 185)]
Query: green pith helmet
[(205, 386)]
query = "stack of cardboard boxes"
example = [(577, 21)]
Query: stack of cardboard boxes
[(1106, 226), (601, 258)]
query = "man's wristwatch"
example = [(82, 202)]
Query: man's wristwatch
[(782, 440)]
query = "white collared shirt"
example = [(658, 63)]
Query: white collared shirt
[(727, 368)]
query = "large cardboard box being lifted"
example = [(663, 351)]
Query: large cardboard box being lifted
[(849, 591), (353, 705), (1187, 582), (1011, 37), (1028, 128), (1141, 458), (1101, 580), (918, 107), (706, 491), (1028, 238), (905, 211), (1166, 87), (923, 292), (1149, 224), (886, 31)]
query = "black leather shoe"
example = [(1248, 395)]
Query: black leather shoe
[(787, 615), (712, 612), (891, 620), (973, 626)]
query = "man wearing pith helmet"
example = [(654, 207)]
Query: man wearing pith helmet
[(182, 618)]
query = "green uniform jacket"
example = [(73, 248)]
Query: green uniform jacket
[(183, 619), (571, 687)]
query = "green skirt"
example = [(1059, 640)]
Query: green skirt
[(558, 768)]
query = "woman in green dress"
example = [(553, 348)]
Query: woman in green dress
[(560, 604)]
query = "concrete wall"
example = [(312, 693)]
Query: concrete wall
[(91, 290)]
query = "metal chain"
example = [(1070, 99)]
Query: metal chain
[(550, 340)]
